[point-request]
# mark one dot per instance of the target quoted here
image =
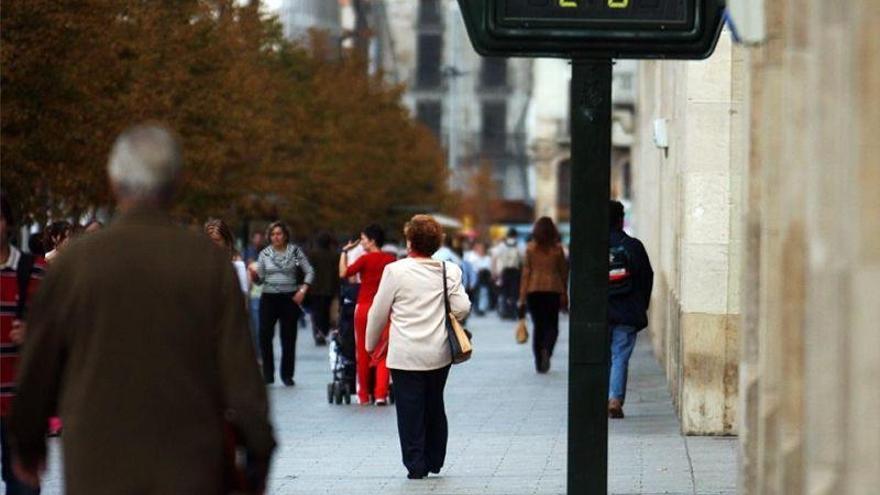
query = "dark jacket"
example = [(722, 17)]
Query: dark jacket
[(326, 264), (139, 335), (632, 308)]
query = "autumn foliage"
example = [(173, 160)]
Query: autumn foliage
[(269, 128)]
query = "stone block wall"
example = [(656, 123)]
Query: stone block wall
[(811, 283), (687, 206)]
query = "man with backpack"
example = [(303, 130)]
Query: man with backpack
[(20, 274), (630, 279)]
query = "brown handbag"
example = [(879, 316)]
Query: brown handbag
[(459, 338), (522, 331)]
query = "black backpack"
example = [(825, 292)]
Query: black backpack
[(619, 271)]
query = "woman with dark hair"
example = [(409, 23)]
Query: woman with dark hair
[(221, 235), (325, 259), (412, 293), (370, 267), (277, 269), (544, 288)]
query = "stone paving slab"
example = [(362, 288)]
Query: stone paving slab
[(507, 432)]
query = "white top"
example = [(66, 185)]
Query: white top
[(411, 291), (12, 260), (479, 262), (241, 271)]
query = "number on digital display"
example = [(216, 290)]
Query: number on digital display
[(618, 4)]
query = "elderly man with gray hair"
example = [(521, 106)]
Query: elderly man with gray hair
[(139, 339)]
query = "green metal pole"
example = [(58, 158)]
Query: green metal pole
[(588, 327)]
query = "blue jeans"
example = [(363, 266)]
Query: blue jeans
[(623, 340), (255, 323)]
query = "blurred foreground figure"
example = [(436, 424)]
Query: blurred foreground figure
[(139, 337)]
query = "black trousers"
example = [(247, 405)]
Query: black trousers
[(509, 292), (421, 418), (544, 308), (13, 485), (275, 307), (319, 305)]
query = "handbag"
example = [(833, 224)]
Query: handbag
[(522, 332), (459, 338)]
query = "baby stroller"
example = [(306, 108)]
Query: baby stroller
[(342, 355)]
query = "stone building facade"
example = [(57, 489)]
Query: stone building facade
[(475, 106), (763, 218), (687, 211)]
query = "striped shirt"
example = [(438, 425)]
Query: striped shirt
[(8, 305), (278, 270)]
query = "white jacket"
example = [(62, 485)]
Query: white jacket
[(411, 291)]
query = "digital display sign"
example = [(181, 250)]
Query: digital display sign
[(602, 14), (679, 29)]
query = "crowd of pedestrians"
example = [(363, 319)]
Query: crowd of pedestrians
[(146, 336)]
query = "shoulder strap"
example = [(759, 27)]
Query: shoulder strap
[(445, 290), (23, 274)]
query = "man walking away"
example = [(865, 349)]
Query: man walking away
[(507, 265), (630, 279), (139, 335), (20, 274)]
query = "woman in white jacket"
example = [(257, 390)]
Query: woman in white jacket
[(411, 292)]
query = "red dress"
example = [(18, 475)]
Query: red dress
[(370, 267)]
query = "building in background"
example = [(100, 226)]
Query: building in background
[(756, 191), (298, 17), (549, 140), (477, 107)]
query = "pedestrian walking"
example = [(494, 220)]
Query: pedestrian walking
[(221, 236), (277, 270), (251, 252), (506, 265), (58, 236), (630, 281), (369, 267), (147, 357), (482, 292), (544, 289), (411, 292), (20, 275), (325, 260)]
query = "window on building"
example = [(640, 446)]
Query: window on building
[(429, 13), (430, 113), (429, 53), (494, 72), (494, 126)]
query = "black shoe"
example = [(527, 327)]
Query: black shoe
[(543, 362), (288, 382), (416, 476), (320, 340), (269, 381)]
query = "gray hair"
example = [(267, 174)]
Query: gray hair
[(145, 161)]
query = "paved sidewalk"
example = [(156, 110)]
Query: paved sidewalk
[(507, 432)]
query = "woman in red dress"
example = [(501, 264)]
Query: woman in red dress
[(370, 267)]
